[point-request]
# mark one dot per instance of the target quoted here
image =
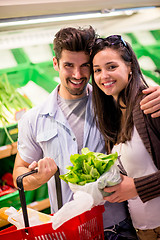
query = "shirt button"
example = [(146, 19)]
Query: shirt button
[(74, 139)]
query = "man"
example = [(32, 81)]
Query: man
[(64, 124)]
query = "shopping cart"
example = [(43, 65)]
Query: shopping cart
[(86, 226)]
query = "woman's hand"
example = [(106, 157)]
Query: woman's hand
[(151, 103), (122, 191)]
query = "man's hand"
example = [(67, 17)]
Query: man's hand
[(122, 191), (46, 169), (151, 103)]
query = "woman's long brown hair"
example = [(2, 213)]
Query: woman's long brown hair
[(107, 111)]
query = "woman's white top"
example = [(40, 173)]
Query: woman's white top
[(137, 162)]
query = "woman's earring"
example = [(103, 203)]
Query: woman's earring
[(130, 76)]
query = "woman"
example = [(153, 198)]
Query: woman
[(117, 91)]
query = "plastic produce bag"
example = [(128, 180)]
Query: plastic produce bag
[(35, 217), (92, 172), (108, 179), (90, 188), (88, 166), (81, 202), (95, 189)]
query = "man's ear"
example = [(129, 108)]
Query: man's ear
[(55, 64)]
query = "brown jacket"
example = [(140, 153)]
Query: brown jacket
[(148, 187)]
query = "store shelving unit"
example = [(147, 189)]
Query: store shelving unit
[(8, 150)]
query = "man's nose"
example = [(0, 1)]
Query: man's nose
[(77, 73)]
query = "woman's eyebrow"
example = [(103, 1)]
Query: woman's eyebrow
[(96, 65), (107, 63)]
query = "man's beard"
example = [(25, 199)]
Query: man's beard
[(76, 92)]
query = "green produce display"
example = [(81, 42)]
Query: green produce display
[(10, 100), (12, 104), (88, 166)]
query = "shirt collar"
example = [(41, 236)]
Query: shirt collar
[(50, 106)]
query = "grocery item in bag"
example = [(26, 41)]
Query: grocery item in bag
[(92, 172)]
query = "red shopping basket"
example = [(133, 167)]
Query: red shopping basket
[(86, 226)]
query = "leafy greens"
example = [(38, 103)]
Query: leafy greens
[(88, 166)]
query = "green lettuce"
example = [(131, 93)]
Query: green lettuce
[(88, 166)]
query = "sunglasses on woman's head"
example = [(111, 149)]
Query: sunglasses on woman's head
[(113, 39)]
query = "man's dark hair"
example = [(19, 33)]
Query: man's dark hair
[(73, 39)]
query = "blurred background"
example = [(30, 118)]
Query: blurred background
[(27, 30)]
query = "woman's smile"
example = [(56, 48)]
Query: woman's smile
[(110, 72), (108, 84)]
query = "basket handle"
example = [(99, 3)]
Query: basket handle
[(19, 181), (58, 188)]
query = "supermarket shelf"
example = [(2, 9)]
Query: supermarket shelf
[(5, 151), (37, 205), (40, 205), (8, 150)]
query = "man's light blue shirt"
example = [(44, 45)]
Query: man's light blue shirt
[(45, 132)]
